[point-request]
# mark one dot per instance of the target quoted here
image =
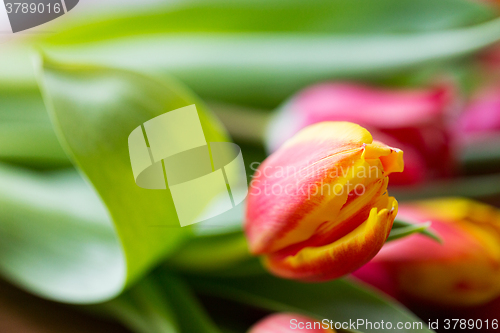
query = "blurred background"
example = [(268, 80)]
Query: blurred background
[(421, 75)]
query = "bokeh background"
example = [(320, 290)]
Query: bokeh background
[(421, 75)]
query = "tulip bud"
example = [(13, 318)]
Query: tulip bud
[(463, 271), (318, 207), (289, 322), (413, 120)]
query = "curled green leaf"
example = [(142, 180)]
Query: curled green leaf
[(57, 244)]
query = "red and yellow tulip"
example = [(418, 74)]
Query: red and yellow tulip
[(288, 323), (463, 271), (318, 208)]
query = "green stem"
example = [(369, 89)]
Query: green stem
[(243, 123), (225, 255), (160, 303), (142, 309), (402, 228)]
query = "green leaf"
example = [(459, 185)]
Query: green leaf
[(94, 110), (56, 238), (264, 69), (338, 300), (211, 253), (402, 229), (159, 305), (314, 16), (26, 134)]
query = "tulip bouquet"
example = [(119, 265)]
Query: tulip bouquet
[(370, 134)]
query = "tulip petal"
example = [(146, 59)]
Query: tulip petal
[(336, 259), (391, 158)]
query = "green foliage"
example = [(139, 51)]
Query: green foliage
[(263, 69), (338, 300), (55, 237), (313, 16), (93, 110), (26, 134), (159, 304)]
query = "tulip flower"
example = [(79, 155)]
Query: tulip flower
[(288, 323), (411, 119), (318, 207), (463, 271)]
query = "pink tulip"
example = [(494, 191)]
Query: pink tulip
[(413, 120), (288, 323)]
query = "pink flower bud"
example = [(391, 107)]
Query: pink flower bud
[(413, 120)]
